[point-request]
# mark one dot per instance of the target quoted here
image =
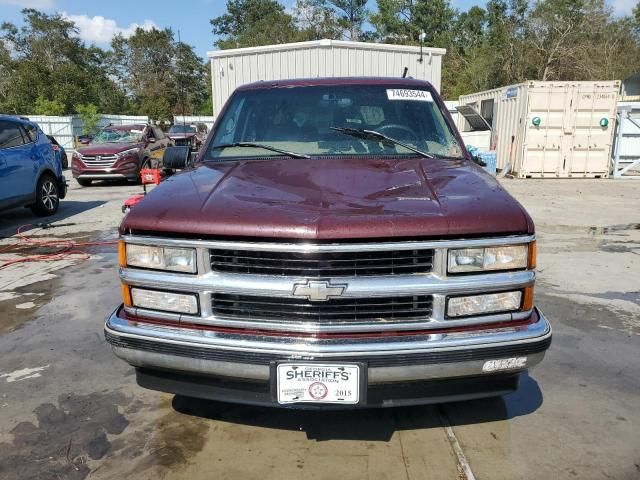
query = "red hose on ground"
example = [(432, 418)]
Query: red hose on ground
[(64, 248)]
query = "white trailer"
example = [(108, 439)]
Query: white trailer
[(548, 129), (321, 58)]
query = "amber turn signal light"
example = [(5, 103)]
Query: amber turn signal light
[(122, 254), (532, 255), (527, 299), (126, 295)]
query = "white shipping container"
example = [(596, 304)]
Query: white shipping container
[(321, 58), (550, 129), (626, 150)]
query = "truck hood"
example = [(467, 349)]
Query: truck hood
[(107, 148), (330, 199)]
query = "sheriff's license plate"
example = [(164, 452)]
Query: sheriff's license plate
[(318, 383)]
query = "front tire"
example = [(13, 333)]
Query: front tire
[(47, 197)]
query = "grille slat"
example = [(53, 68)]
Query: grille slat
[(328, 264), (334, 310), (307, 304), (314, 260), (105, 161)]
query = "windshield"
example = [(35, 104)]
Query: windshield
[(308, 120), (117, 136), (182, 129)]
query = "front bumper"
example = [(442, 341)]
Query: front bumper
[(106, 176), (124, 168), (401, 370)]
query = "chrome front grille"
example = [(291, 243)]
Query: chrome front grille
[(322, 264), (99, 161), (336, 310), (325, 288)]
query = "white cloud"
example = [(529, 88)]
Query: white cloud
[(101, 30), (37, 4)]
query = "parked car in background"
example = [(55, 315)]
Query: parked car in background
[(59, 151), (119, 152), (30, 170), (185, 135)]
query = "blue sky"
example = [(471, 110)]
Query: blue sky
[(99, 20)]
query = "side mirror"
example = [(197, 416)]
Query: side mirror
[(176, 158), (151, 140)]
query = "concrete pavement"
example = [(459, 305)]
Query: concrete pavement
[(70, 410)]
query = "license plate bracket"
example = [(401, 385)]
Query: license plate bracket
[(319, 383)]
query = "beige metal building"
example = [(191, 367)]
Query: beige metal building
[(549, 129), (321, 58)]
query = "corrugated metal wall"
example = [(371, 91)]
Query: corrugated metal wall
[(568, 142), (323, 58)]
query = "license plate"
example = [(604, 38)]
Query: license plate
[(318, 383)]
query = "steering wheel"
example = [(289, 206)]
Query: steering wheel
[(397, 126)]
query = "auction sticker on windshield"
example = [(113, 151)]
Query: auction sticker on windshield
[(318, 383), (406, 94)]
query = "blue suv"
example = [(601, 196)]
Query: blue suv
[(30, 172)]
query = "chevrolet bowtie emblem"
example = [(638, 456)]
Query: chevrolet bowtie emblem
[(318, 291)]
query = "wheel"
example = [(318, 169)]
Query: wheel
[(47, 197), (83, 182)]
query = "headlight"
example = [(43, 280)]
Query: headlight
[(126, 153), (484, 304), (164, 301), (159, 258), (508, 257)]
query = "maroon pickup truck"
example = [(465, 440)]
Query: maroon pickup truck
[(334, 245)]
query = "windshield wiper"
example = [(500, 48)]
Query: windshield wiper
[(260, 145), (373, 135)]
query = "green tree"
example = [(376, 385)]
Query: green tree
[(351, 14), (316, 20), (45, 59), (48, 107), (162, 77), (250, 23), (402, 21), (89, 116), (191, 78)]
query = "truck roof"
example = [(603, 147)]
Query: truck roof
[(332, 81)]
